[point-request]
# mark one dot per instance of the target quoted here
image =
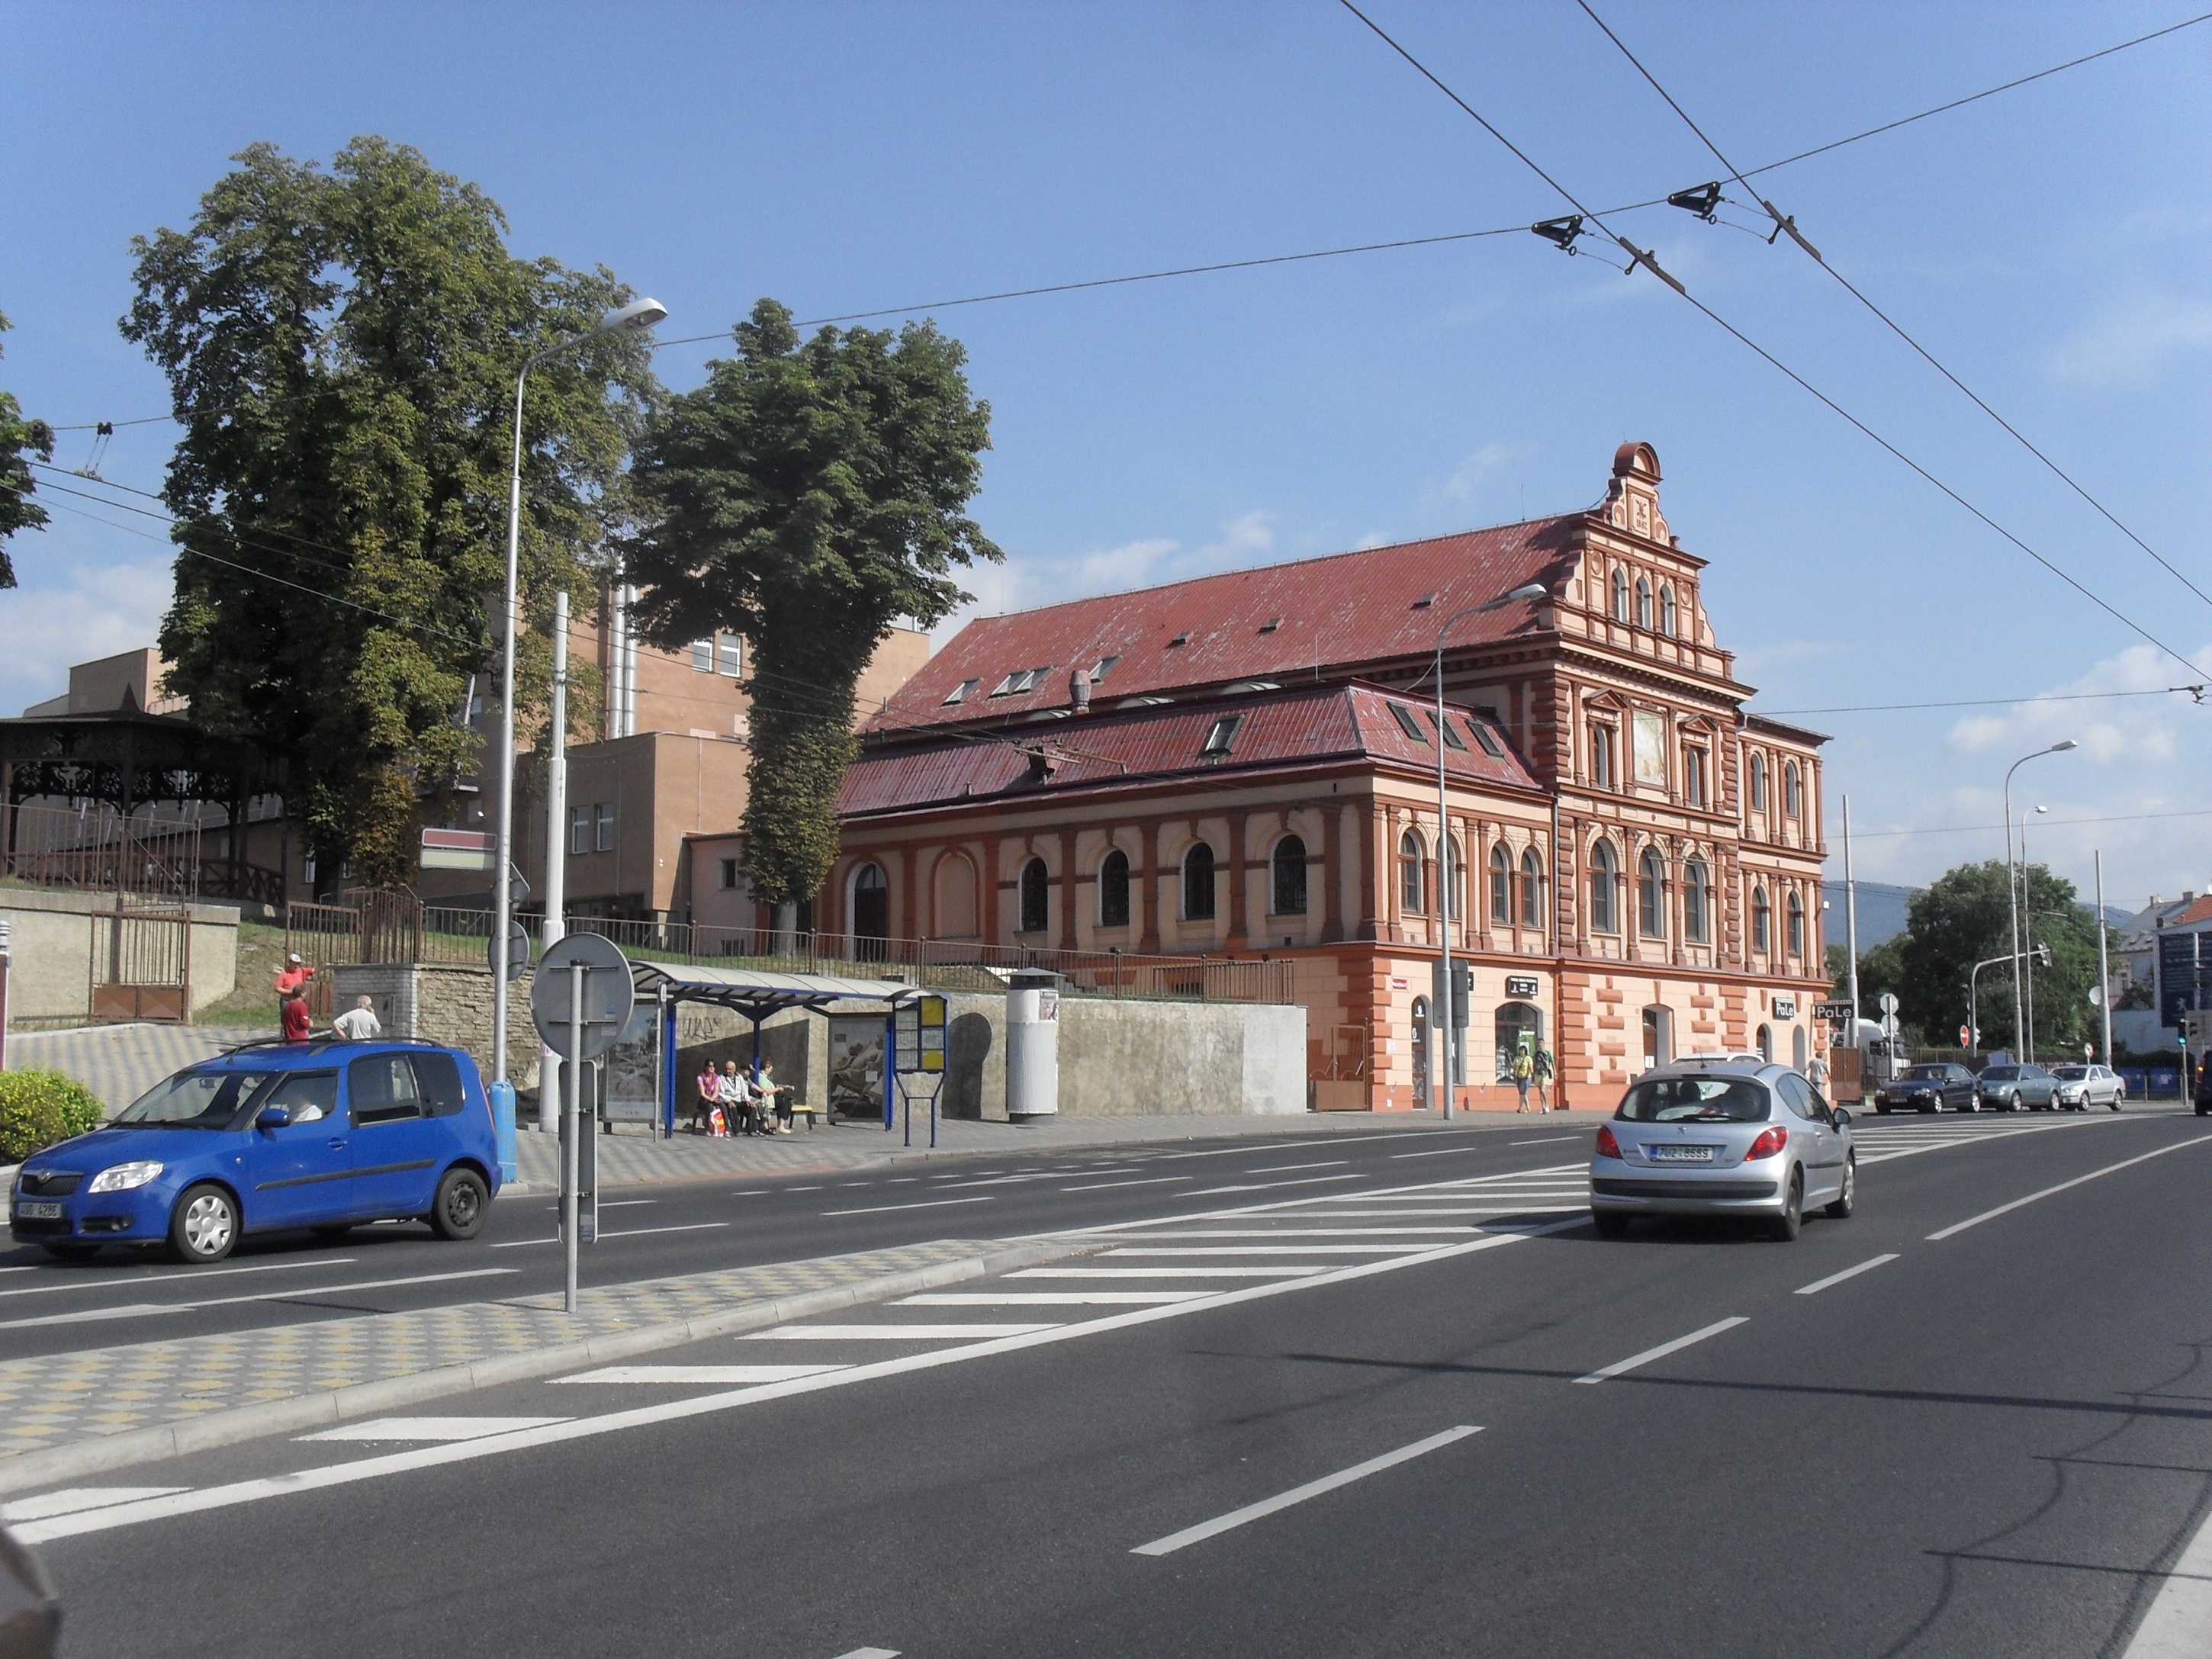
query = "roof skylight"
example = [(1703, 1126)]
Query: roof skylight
[(1222, 734), (961, 693), (1408, 724)]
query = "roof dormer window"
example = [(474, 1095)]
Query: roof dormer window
[(1487, 738), (1408, 724), (1222, 734), (1105, 666), (961, 693), (1271, 624), (1021, 680), (1425, 602), (1180, 638), (1452, 739)]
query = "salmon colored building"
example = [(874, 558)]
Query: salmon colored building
[(1247, 764)]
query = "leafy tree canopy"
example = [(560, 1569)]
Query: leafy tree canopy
[(19, 438), (1961, 919), (809, 496), (342, 346)]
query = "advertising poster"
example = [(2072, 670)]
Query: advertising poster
[(632, 1070), (856, 1065)]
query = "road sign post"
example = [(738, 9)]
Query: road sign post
[(580, 1002)]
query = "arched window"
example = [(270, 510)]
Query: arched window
[(1644, 601), (1501, 886), (1620, 596), (1198, 884), (1793, 790), (1532, 889), (1410, 884), (1797, 925), (1601, 755), (1761, 921), (1696, 890), (1651, 893), (1765, 1043), (872, 912), (1757, 781), (1604, 873), (1457, 872), (1290, 873), (1036, 894), (1667, 617), (1114, 889)]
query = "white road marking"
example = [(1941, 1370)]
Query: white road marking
[(1436, 1151), (183, 1275), (1318, 1164), (1820, 1284), (76, 1499), (627, 1233), (431, 1428), (1301, 1146), (2018, 1203), (723, 1374), (918, 1204), (1267, 1186), (1262, 1249), (1141, 1180), (889, 1332), (373, 1468), (1285, 1270), (871, 1653), (1293, 1232), (141, 1310), (1041, 1298), (612, 1204), (1221, 1523), (1665, 1348), (1543, 1141), (2179, 1623)]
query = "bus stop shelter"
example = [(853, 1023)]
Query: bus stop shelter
[(759, 995)]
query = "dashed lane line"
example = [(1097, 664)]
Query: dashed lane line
[(81, 1281), (1141, 1180), (1281, 1501), (918, 1204), (1318, 1164), (1266, 1186), (627, 1233), (1622, 1366), (1820, 1284)]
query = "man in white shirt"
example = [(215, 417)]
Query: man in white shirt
[(359, 1023), (735, 1098)]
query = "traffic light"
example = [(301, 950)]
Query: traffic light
[(1462, 993)]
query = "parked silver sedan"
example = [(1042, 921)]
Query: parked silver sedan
[(2080, 1087), (2009, 1088), (1722, 1137)]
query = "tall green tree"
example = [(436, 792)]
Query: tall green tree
[(1961, 919), (341, 346), (808, 495), (19, 439)]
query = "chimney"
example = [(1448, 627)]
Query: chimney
[(1078, 690)]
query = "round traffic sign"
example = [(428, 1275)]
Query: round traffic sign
[(591, 962), (518, 950)]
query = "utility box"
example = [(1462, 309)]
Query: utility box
[(1032, 1045)]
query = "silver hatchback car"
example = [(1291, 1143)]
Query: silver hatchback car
[(1722, 1137)]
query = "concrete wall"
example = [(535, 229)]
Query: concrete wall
[(50, 966), (452, 1006), (1126, 1059)]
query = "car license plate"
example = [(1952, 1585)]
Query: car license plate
[(1681, 1154), (30, 1210)]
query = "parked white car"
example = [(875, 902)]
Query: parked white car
[(2080, 1087)]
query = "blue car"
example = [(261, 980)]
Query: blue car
[(321, 1135)]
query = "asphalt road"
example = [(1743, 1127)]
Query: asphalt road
[(651, 1231), (1971, 1420)]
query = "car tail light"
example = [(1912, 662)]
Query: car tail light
[(1769, 1143), (1606, 1145)]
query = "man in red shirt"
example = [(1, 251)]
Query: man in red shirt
[(291, 998)]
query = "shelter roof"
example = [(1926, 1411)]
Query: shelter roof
[(126, 757), (758, 992), (1296, 725), (1348, 611)]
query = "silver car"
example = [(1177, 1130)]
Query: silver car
[(1719, 1137), (2009, 1088), (2080, 1087)]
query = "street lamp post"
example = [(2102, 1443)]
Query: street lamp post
[(2012, 892), (1441, 1014), (637, 314)]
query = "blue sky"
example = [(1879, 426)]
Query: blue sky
[(2049, 245)]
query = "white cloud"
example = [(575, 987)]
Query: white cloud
[(1250, 537), (2132, 341), (1466, 478), (2130, 730), (88, 612), (1126, 566)]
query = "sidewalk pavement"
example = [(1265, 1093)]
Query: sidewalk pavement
[(630, 1155), (119, 1063), (68, 1415)]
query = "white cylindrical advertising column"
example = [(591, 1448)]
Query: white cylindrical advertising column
[(1032, 1046)]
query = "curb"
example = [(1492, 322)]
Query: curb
[(230, 1428)]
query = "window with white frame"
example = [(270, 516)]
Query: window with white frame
[(703, 656), (604, 838), (730, 655), (579, 830)]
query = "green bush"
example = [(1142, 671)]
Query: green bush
[(38, 1109)]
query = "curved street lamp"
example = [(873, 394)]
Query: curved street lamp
[(2012, 888), (636, 315)]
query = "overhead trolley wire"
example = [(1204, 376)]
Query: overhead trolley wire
[(1334, 253), (1788, 224), (1637, 255)]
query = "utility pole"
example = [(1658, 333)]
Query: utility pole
[(556, 851), (1851, 922), (2104, 970)]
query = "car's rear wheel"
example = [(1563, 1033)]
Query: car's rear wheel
[(458, 1212), (1783, 1227), (204, 1224), (1610, 1224), (1840, 1207), (70, 1250)]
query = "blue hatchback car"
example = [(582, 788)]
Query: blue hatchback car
[(323, 1135)]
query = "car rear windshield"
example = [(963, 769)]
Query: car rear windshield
[(193, 1100), (1695, 1100)]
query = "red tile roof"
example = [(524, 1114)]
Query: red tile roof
[(1345, 611), (1302, 725), (2200, 911)]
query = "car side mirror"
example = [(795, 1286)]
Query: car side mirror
[(1843, 1117), (272, 1117)]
